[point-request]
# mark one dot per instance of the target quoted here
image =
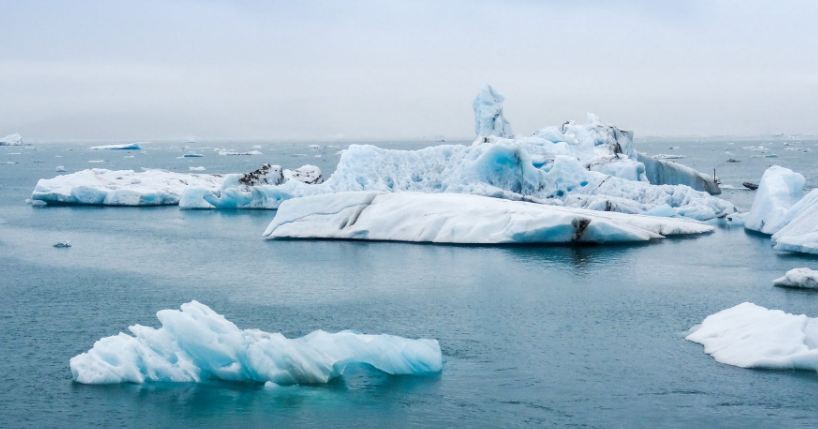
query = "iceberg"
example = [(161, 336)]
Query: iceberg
[(12, 140), (751, 336), (800, 234), (199, 168), (197, 344), (462, 218), (780, 188), (121, 188), (235, 153), (192, 155), (660, 172), (799, 278), (488, 114), (133, 146)]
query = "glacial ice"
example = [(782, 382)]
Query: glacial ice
[(780, 188), (199, 168), (121, 188), (800, 234), (235, 153), (461, 218), (197, 344), (12, 140), (799, 278), (488, 114), (661, 172), (751, 336), (133, 146)]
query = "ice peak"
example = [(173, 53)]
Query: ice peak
[(488, 114)]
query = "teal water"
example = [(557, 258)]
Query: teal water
[(531, 335)]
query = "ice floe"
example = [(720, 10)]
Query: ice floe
[(668, 156), (799, 278), (462, 218), (133, 146), (197, 344), (751, 336), (235, 153)]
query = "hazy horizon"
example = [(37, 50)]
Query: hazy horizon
[(323, 70)]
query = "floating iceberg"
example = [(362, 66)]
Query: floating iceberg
[(488, 114), (60, 169), (666, 156), (780, 188), (133, 146), (200, 168), (750, 336), (192, 155), (799, 278), (12, 140), (800, 234), (660, 172), (234, 153), (121, 188), (462, 218), (197, 344)]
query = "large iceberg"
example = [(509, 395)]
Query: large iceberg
[(197, 344), (800, 234), (132, 146), (488, 114), (798, 278), (12, 140), (750, 336), (780, 188), (661, 172), (462, 218), (153, 186)]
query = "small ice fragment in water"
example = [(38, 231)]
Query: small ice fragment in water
[(63, 245)]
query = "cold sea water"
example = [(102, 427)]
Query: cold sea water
[(543, 336)]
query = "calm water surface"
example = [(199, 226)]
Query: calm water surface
[(531, 335)]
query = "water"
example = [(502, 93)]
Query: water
[(532, 335)]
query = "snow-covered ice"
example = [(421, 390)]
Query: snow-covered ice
[(461, 218), (780, 188), (488, 114), (751, 336), (799, 278), (121, 188), (132, 146), (197, 344), (12, 140)]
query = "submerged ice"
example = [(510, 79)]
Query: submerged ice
[(751, 336), (197, 344)]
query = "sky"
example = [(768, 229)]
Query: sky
[(388, 69)]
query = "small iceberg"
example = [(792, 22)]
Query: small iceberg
[(62, 245), (192, 155), (196, 168), (12, 140), (751, 336), (197, 344), (462, 218), (234, 153), (60, 169), (798, 278), (132, 146), (667, 156)]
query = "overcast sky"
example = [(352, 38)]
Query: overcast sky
[(395, 69)]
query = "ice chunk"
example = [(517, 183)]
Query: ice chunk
[(121, 188), (488, 114), (62, 245), (660, 172), (750, 336), (12, 140), (60, 169), (801, 231), (671, 156), (192, 155), (780, 188), (200, 168), (198, 344), (461, 218), (133, 146), (799, 278)]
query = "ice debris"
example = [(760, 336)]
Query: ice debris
[(197, 344), (133, 146), (62, 245)]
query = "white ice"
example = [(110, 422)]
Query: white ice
[(799, 278), (666, 156), (461, 218), (133, 146), (800, 234), (780, 188), (750, 336), (197, 344), (12, 140), (235, 153), (661, 172)]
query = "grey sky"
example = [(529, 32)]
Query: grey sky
[(394, 69)]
